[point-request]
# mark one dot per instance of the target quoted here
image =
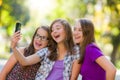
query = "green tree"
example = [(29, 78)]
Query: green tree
[(114, 6), (69, 10), (12, 11)]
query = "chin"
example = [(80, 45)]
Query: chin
[(57, 41), (77, 42), (37, 49)]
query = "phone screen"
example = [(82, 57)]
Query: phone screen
[(18, 26)]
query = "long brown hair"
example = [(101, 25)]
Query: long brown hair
[(88, 35), (30, 49), (69, 44)]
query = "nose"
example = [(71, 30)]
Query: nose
[(40, 39), (75, 32), (54, 31)]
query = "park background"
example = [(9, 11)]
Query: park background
[(105, 14)]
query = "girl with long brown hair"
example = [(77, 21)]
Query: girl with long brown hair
[(13, 69), (92, 65)]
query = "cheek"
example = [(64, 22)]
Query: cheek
[(34, 42), (63, 33), (74, 34), (45, 44), (52, 34)]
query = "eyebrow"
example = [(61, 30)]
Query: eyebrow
[(41, 35), (58, 25)]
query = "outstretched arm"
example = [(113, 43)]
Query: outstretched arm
[(108, 67), (24, 61)]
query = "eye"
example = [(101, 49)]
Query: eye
[(58, 28), (44, 37), (37, 35)]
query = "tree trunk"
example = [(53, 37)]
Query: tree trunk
[(113, 54)]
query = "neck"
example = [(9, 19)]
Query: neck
[(61, 48), (61, 51)]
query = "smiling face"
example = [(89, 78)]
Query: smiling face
[(78, 33), (58, 32), (40, 39)]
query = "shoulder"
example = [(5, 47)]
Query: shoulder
[(93, 51), (92, 47), (43, 51)]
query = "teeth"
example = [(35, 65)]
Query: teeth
[(77, 37), (38, 44)]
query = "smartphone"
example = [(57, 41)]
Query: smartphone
[(18, 26)]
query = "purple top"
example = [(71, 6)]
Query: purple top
[(90, 70), (57, 71)]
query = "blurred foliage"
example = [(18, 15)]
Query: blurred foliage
[(114, 24), (118, 64), (105, 15), (70, 10), (4, 56), (12, 11)]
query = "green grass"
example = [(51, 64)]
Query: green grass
[(4, 56)]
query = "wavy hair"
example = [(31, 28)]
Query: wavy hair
[(69, 44)]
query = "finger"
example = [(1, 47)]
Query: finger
[(16, 35), (17, 31)]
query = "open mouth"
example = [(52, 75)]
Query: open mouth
[(38, 44), (78, 37), (57, 36)]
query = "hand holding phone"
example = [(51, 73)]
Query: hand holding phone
[(18, 26)]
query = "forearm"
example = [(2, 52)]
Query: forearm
[(108, 67), (21, 58), (110, 75), (73, 78), (26, 61), (3, 76), (8, 67), (110, 71)]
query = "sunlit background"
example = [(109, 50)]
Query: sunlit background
[(39, 9), (105, 15)]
